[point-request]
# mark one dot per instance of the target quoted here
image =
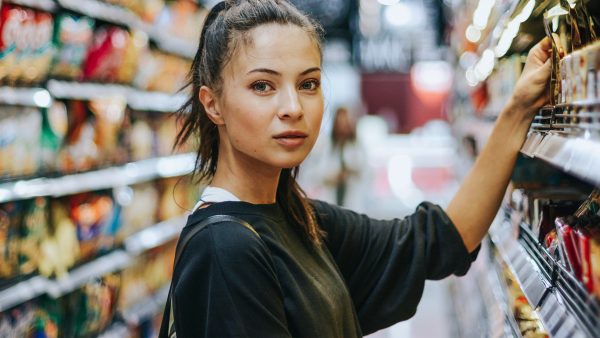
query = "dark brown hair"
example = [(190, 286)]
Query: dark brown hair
[(226, 25)]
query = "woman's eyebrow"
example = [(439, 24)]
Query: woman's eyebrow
[(274, 72)]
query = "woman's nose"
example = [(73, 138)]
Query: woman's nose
[(290, 106)]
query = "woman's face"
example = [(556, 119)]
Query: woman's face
[(271, 102)]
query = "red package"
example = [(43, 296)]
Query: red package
[(25, 44), (586, 263), (595, 264), (570, 247), (13, 20), (106, 54)]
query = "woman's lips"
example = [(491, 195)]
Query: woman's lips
[(291, 139)]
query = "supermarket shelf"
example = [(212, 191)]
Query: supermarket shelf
[(499, 291), (136, 99), (31, 97), (22, 292), (121, 16), (536, 271), (114, 261), (574, 155), (101, 10), (46, 5), (146, 308), (131, 173), (581, 103), (86, 91), (155, 236)]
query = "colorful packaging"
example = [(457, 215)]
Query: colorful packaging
[(140, 137), (55, 124), (73, 36), (79, 151), (94, 215), (25, 45), (150, 272), (570, 254), (10, 220), (181, 19), (20, 153), (595, 264), (111, 57), (138, 209), (33, 230), (11, 19), (161, 72), (109, 116), (60, 249)]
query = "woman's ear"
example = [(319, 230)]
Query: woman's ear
[(209, 101)]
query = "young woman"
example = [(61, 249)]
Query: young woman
[(307, 268)]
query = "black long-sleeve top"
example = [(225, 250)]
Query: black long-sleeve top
[(368, 274)]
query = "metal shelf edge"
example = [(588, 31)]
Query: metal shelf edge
[(147, 307), (131, 173), (155, 235), (25, 96), (22, 292), (114, 261), (577, 156)]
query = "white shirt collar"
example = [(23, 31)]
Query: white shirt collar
[(215, 195)]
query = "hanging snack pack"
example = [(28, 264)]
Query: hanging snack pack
[(73, 36), (26, 48)]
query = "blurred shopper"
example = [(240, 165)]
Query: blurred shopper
[(344, 165), (259, 259)]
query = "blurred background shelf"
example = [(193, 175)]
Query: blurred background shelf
[(79, 276), (131, 173), (31, 97), (155, 235), (146, 308), (22, 292)]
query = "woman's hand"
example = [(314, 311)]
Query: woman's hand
[(476, 203), (532, 88)]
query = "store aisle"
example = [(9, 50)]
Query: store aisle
[(434, 314)]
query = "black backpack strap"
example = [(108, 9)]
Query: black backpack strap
[(167, 327)]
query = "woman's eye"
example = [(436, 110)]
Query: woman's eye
[(310, 85), (261, 86)]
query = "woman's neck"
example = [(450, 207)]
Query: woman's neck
[(249, 182)]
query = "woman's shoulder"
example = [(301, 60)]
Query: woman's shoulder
[(226, 240)]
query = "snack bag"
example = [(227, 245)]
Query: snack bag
[(73, 36)]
